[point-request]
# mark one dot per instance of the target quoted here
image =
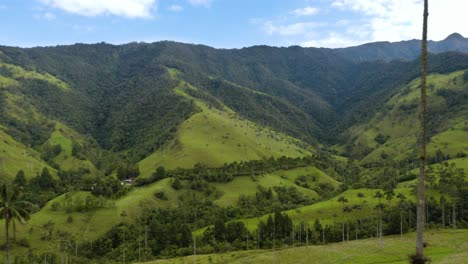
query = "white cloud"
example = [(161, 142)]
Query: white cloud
[(395, 20), (333, 40), (293, 29), (306, 11), (49, 16), (176, 8), (125, 8), (204, 3)]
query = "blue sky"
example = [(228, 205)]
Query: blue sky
[(226, 23)]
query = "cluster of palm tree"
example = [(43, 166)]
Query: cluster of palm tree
[(12, 209)]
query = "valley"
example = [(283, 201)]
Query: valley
[(149, 151)]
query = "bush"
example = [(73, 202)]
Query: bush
[(161, 195)]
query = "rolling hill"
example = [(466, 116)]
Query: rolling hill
[(287, 129), (392, 132)]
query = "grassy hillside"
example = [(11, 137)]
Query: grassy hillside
[(66, 137), (331, 210), (215, 136), (15, 156), (392, 132), (459, 163), (31, 126), (445, 247), (90, 224), (248, 186)]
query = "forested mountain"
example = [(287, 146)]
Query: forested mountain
[(121, 95), (175, 145)]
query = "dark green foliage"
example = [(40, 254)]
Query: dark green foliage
[(109, 187), (176, 184), (453, 97), (219, 230), (160, 195), (20, 179), (159, 174), (381, 139), (465, 76), (128, 170), (290, 195), (44, 181), (200, 172), (50, 151)]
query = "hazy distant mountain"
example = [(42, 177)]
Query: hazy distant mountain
[(403, 50)]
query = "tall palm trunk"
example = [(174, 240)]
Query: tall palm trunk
[(443, 212), (7, 233), (422, 164), (401, 225)]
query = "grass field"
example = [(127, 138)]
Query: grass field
[(215, 137), (459, 163), (283, 178), (17, 73), (15, 156), (65, 136), (444, 247), (331, 210)]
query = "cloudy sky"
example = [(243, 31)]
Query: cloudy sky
[(226, 23)]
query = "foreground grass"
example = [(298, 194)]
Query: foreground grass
[(445, 246)]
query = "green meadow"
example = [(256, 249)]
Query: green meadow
[(444, 247)]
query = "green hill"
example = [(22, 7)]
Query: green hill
[(89, 223), (391, 134), (217, 135), (15, 156)]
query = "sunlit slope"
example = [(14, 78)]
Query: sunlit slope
[(392, 133), (217, 136), (248, 186), (66, 137), (26, 122), (15, 156), (459, 163)]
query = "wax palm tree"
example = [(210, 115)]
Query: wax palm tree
[(12, 207), (419, 257), (402, 205), (343, 201), (379, 195)]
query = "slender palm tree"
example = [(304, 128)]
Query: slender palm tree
[(11, 207), (422, 164), (343, 201), (402, 206), (379, 195)]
